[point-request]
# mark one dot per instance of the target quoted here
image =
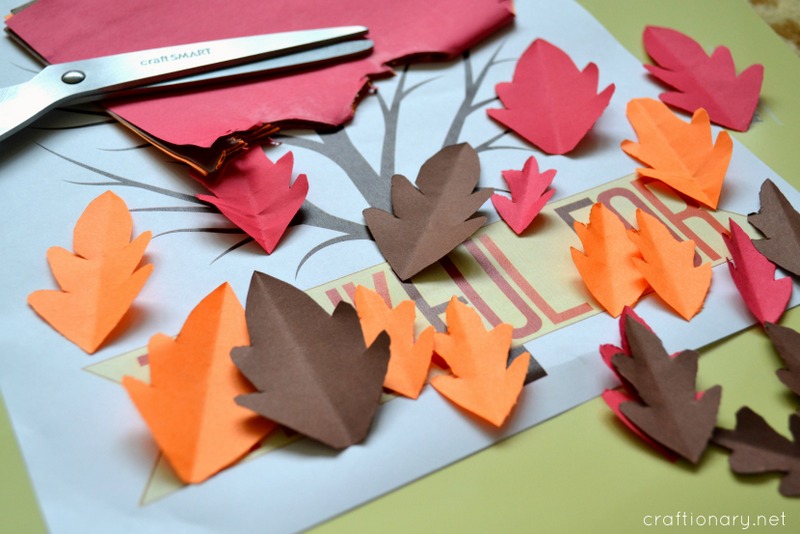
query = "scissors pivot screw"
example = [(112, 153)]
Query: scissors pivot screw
[(73, 76)]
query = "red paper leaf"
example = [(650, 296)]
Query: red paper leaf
[(257, 195), (668, 409), (754, 276), (529, 194), (550, 102), (701, 81), (756, 448)]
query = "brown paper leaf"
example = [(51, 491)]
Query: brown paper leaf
[(780, 224), (433, 218), (312, 371), (757, 448), (670, 411), (787, 342)]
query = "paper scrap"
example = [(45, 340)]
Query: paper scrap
[(99, 282), (482, 382), (670, 412), (234, 112), (312, 371), (432, 219), (702, 81), (409, 360), (257, 195), (756, 448), (681, 155), (529, 193), (668, 266), (780, 224), (606, 264), (754, 277), (787, 342), (550, 102), (189, 404)]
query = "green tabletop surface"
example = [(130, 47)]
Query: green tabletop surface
[(583, 471)]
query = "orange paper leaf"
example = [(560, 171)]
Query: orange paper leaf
[(668, 266), (189, 404), (100, 280), (409, 362), (606, 263), (681, 155), (481, 383)]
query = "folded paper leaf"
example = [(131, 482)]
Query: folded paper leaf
[(606, 264), (780, 224), (787, 342), (257, 195), (432, 219), (702, 81), (529, 193), (312, 371), (670, 412), (550, 102), (615, 397), (189, 404), (754, 276), (410, 360), (668, 266), (482, 382), (681, 155), (756, 448), (233, 112), (100, 280)]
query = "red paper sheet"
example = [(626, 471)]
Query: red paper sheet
[(65, 30)]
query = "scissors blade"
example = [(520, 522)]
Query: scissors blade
[(92, 79)]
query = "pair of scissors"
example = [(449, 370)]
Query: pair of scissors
[(173, 66)]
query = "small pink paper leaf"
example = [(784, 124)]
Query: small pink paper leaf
[(551, 103), (754, 276), (529, 194), (702, 81), (257, 195)]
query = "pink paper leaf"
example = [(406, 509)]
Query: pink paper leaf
[(702, 81), (550, 102), (257, 195), (754, 276), (529, 194)]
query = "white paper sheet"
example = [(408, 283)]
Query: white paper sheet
[(86, 448)]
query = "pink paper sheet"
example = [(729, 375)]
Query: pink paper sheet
[(65, 30)]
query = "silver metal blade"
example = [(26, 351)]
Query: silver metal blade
[(306, 58)]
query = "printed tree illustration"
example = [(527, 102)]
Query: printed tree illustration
[(337, 146)]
